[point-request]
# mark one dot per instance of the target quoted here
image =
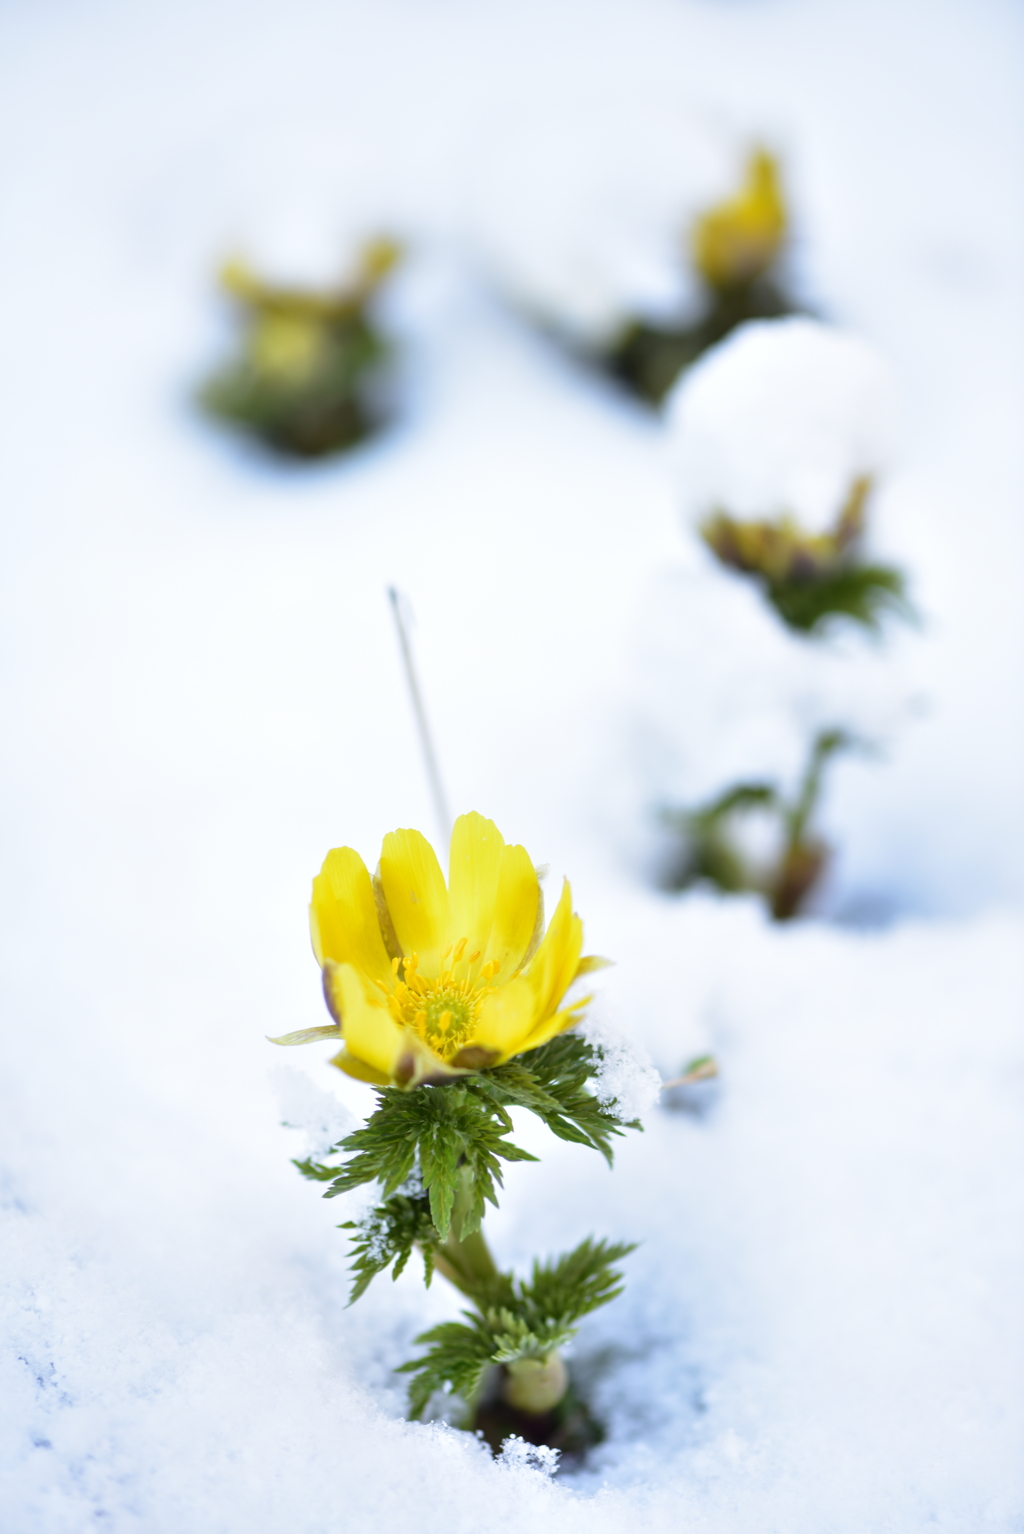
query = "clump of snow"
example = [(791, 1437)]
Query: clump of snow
[(626, 1082), (718, 691), (412, 1187), (374, 1231), (782, 417), (517, 1455), (323, 1119)]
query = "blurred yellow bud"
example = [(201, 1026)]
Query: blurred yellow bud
[(737, 241)]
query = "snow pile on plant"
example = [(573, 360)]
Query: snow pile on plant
[(781, 418)]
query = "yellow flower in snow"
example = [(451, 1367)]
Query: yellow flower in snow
[(427, 981), (739, 239)]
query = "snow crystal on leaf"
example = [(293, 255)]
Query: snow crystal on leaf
[(626, 1082)]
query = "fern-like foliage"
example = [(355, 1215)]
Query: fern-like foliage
[(452, 1139), (446, 1128), (552, 1082), (387, 1236), (515, 1319)]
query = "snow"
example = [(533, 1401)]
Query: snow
[(517, 1454), (626, 1081), (586, 229), (821, 1327), (782, 418), (718, 691)]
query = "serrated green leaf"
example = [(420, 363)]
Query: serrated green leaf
[(515, 1320), (316, 1171), (552, 1082), (860, 592)]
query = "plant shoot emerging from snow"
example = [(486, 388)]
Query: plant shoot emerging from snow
[(715, 845), (305, 381), (452, 1000), (811, 577), (779, 438), (737, 249)]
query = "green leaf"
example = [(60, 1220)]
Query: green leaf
[(457, 1360), (448, 1128), (316, 1171), (515, 1320), (552, 1082), (387, 1235), (861, 592)]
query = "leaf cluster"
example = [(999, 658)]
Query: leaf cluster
[(552, 1082), (443, 1129), (387, 1235), (329, 406), (451, 1140), (515, 1319), (709, 850), (861, 592), (649, 357)]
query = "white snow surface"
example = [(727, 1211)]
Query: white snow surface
[(581, 216), (822, 1326), (781, 418)]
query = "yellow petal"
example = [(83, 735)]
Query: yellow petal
[(553, 966), (357, 1069), (371, 1034), (558, 1022), (507, 1017), (494, 896), (343, 916), (738, 239), (473, 867), (417, 898), (517, 908)]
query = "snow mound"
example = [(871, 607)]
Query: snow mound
[(782, 417), (318, 1114), (719, 691)]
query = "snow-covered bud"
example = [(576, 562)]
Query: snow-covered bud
[(778, 437)]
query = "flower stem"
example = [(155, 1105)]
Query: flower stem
[(532, 1386), (466, 1263)]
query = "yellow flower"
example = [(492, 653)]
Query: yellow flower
[(738, 240), (427, 981)]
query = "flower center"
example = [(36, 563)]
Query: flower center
[(444, 1011)]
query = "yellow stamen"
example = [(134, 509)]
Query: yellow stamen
[(444, 1011)]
